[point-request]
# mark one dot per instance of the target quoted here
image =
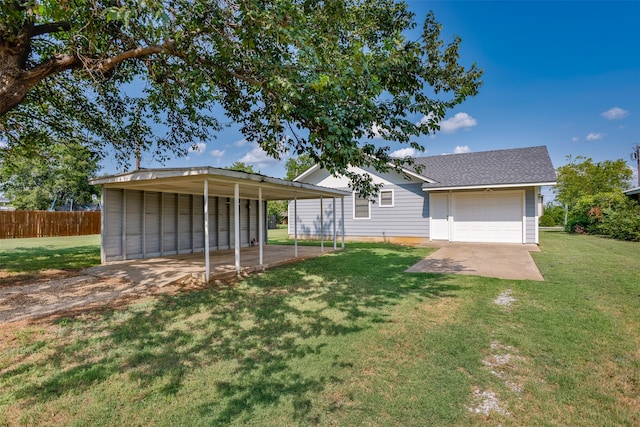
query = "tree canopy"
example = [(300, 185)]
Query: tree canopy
[(307, 77), (54, 175), (296, 165), (582, 177), (242, 167)]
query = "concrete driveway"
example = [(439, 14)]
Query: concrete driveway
[(504, 261)]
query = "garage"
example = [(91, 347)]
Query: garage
[(488, 216), (480, 216)]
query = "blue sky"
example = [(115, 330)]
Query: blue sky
[(565, 74)]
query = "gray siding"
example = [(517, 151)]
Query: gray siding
[(409, 217), (141, 224), (530, 214)]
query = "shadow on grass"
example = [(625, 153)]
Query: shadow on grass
[(260, 327), (31, 259)]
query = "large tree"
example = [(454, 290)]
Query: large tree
[(315, 78), (582, 177), (53, 175)]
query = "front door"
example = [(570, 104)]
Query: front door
[(439, 210)]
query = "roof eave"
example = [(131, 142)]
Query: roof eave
[(487, 186)]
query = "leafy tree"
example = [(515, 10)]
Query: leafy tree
[(555, 211), (581, 177), (296, 165), (315, 78), (242, 167), (59, 172)]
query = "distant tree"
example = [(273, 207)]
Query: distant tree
[(296, 165), (242, 167), (555, 211), (58, 172), (304, 77), (581, 177)]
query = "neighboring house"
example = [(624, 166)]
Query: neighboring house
[(5, 204), (490, 196), (634, 193)]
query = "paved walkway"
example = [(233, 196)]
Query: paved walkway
[(168, 269), (504, 261)]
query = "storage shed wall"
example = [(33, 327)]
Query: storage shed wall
[(142, 224)]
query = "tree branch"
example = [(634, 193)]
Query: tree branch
[(53, 27)]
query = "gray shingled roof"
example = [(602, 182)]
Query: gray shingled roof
[(530, 165)]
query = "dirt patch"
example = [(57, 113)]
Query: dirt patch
[(58, 293)]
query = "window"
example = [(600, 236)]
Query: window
[(361, 207), (386, 198)]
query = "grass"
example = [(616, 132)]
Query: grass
[(43, 253), (349, 339)]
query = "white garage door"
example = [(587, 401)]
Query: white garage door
[(494, 217)]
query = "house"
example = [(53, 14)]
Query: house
[(5, 204), (489, 196), (634, 193)]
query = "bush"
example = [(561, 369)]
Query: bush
[(546, 221), (555, 211), (610, 214)]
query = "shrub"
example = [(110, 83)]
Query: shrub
[(610, 214), (546, 221)]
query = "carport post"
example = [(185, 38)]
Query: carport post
[(260, 224), (342, 205), (335, 235), (321, 227), (236, 223), (207, 266), (295, 225)]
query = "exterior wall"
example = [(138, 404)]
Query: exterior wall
[(530, 212), (406, 221), (140, 224)]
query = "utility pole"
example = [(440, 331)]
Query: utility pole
[(636, 156)]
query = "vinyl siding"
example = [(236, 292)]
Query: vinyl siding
[(530, 214), (409, 217)]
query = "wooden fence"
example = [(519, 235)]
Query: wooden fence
[(18, 224)]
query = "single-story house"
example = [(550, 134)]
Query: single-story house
[(489, 196), (634, 193), (152, 213)]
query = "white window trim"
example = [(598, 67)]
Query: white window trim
[(355, 196), (393, 198)]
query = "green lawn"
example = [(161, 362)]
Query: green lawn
[(350, 339), (30, 255)]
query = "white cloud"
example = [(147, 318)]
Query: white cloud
[(3, 144), (199, 148), (241, 143), (259, 158), (462, 149), (377, 131), (403, 152), (594, 136), (457, 122), (217, 153), (615, 113), (575, 139), (426, 119)]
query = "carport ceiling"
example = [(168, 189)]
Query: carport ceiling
[(221, 183)]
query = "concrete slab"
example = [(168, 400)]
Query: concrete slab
[(504, 261), (169, 269)]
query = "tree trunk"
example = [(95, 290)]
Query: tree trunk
[(13, 89)]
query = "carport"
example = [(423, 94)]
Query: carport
[(155, 213)]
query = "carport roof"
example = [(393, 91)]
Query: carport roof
[(221, 183)]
